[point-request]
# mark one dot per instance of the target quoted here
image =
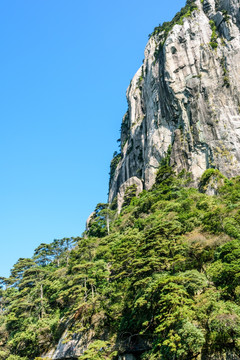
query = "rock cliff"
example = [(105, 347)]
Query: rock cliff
[(185, 97), (184, 100)]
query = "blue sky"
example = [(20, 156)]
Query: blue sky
[(64, 70)]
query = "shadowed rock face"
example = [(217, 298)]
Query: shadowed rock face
[(71, 349), (185, 95), (221, 356)]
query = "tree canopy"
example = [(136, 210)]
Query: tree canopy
[(161, 279)]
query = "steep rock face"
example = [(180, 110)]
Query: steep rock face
[(71, 349), (185, 95)]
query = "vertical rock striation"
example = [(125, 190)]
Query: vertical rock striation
[(185, 95)]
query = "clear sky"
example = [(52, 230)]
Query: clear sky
[(64, 69)]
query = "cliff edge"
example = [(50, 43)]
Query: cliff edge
[(185, 97)]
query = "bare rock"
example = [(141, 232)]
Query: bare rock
[(89, 220), (185, 95)]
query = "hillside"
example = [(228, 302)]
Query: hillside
[(163, 284)]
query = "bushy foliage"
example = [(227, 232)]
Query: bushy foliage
[(161, 279), (114, 163), (129, 194), (166, 27), (213, 43)]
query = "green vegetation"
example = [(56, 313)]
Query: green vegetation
[(114, 163), (140, 80), (166, 27), (213, 43), (223, 65), (210, 176), (161, 278), (226, 81), (226, 16), (129, 194)]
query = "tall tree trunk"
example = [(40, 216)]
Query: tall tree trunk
[(41, 297), (108, 223)]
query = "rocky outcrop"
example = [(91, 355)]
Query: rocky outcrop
[(229, 355), (68, 350), (185, 95), (89, 220), (127, 357), (123, 188), (71, 348), (219, 356)]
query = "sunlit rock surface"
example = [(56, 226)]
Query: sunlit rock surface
[(185, 95)]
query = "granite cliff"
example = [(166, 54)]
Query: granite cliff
[(185, 97), (183, 101), (160, 280)]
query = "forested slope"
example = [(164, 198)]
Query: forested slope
[(162, 284)]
